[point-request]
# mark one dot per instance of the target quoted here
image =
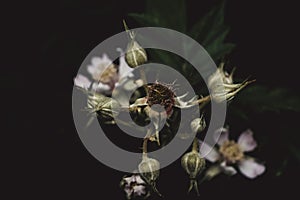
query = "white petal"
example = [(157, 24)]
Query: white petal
[(250, 168), (229, 170), (99, 64), (96, 61), (124, 69), (246, 141), (82, 81), (139, 180), (221, 135), (91, 69), (128, 191), (208, 152), (101, 88), (106, 59), (139, 190), (129, 179)]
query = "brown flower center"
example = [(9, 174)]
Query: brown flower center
[(162, 95), (109, 75), (231, 151)]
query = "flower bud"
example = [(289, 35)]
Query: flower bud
[(193, 164), (198, 124), (135, 54), (149, 169)]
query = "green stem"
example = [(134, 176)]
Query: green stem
[(145, 147), (195, 145)]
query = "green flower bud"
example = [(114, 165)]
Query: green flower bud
[(149, 169), (193, 164), (198, 124), (135, 55)]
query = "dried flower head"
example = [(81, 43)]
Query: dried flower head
[(222, 87), (161, 94), (134, 186)]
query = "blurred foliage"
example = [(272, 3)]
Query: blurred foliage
[(210, 30)]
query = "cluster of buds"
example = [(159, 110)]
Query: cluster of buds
[(99, 101)]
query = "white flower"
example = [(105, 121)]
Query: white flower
[(222, 87), (82, 82), (102, 69), (133, 186), (105, 75), (230, 153)]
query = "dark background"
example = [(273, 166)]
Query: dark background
[(43, 46)]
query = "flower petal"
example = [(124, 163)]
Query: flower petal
[(139, 180), (128, 191), (91, 69), (221, 135), (82, 81), (246, 141), (96, 61), (129, 180), (124, 69), (208, 152), (250, 168), (101, 88), (139, 190), (229, 170)]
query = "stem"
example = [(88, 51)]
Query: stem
[(145, 147), (144, 79), (202, 100), (203, 104), (131, 35), (195, 145)]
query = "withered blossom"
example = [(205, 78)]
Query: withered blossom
[(222, 87), (134, 186)]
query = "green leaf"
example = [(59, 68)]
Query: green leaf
[(171, 13), (145, 20), (168, 14), (217, 52), (209, 22), (211, 32)]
